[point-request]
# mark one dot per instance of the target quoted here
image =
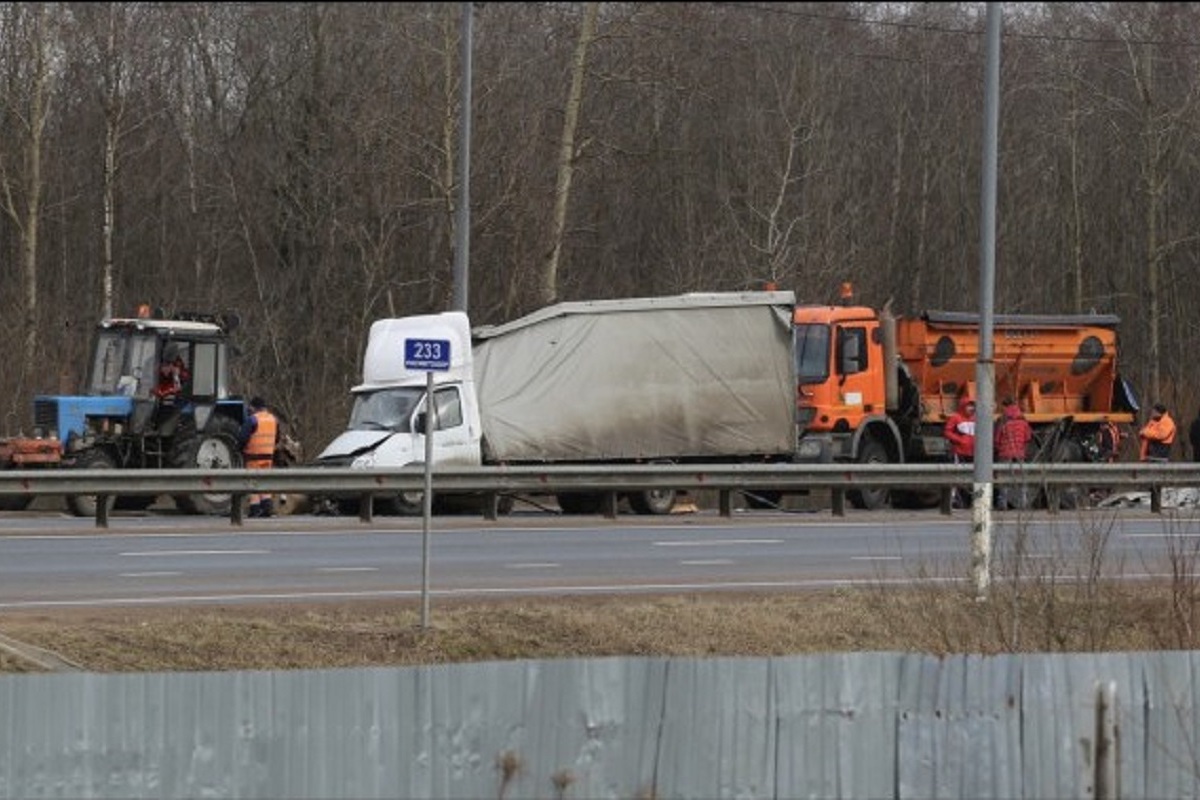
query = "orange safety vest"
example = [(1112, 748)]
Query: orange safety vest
[(261, 446)]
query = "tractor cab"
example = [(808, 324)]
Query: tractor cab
[(162, 368)]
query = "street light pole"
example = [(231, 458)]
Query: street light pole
[(462, 224), (985, 367)]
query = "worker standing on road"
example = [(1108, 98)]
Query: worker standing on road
[(1013, 435), (960, 434), (259, 432), (1157, 435)]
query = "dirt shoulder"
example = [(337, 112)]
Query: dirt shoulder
[(935, 620)]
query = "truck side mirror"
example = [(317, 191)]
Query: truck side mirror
[(419, 423)]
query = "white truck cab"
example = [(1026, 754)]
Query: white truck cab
[(387, 423)]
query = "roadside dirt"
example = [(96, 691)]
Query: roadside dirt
[(938, 620)]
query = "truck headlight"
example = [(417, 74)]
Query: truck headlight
[(365, 461), (809, 449)]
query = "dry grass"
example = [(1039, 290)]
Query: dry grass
[(939, 620)]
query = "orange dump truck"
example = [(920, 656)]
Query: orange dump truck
[(852, 407)]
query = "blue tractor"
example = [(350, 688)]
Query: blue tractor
[(156, 396)]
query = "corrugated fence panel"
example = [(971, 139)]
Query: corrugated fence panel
[(837, 719), (958, 727), (860, 725)]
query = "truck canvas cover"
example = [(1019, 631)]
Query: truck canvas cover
[(689, 376)]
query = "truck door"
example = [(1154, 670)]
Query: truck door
[(452, 441), (859, 376)]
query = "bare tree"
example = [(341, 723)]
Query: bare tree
[(31, 36), (568, 152)]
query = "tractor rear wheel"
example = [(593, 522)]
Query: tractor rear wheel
[(214, 448), (85, 505)]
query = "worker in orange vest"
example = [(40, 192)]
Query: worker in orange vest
[(1157, 435), (259, 433)]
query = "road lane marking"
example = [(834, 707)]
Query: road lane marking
[(347, 569), (152, 553), (876, 558), (707, 562), (150, 574), (715, 542), (533, 565)]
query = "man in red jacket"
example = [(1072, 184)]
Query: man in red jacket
[(960, 435), (1013, 434)]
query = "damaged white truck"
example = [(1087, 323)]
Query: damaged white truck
[(702, 377)]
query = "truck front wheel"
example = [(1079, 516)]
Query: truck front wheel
[(401, 504), (871, 452)]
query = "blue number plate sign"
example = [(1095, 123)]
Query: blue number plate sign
[(431, 355)]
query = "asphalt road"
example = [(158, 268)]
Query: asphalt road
[(49, 559)]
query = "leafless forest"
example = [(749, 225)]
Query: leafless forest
[(297, 162)]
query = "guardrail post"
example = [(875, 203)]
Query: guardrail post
[(491, 506), (1156, 499), (725, 502), (610, 505), (838, 497), (366, 507), (101, 511), (235, 509), (947, 502)]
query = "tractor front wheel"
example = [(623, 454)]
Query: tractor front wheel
[(85, 505), (214, 448)]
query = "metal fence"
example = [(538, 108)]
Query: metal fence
[(493, 481), (862, 725)]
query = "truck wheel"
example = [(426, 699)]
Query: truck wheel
[(401, 504), (215, 448), (653, 501), (871, 452), (84, 505)]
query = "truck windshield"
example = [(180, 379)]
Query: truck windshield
[(385, 409), (123, 363), (812, 353)]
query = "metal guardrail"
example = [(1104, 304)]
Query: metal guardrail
[(494, 481)]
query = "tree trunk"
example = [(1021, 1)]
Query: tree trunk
[(567, 154)]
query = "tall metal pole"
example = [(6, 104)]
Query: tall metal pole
[(985, 367), (462, 224)]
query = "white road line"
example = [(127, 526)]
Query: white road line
[(715, 542), (707, 562), (151, 553), (347, 569), (1164, 535), (876, 558), (149, 574), (533, 565)]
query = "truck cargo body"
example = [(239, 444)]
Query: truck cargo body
[(695, 377)]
